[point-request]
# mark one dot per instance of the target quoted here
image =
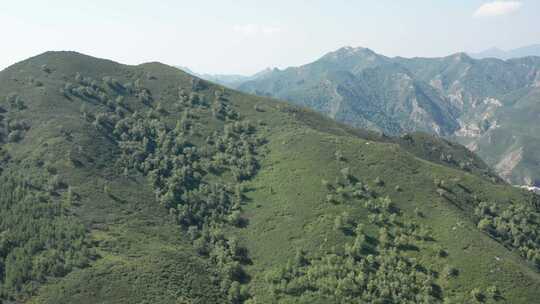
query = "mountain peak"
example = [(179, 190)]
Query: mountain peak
[(350, 51), (460, 56), (62, 55)]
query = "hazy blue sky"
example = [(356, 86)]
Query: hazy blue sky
[(245, 36)]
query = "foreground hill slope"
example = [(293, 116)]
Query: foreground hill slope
[(142, 184), (490, 105)]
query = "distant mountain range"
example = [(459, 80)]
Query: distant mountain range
[(490, 105), (230, 80), (531, 50)]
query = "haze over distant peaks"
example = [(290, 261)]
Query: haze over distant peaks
[(494, 52), (230, 80)]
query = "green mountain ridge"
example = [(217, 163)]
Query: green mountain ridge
[(143, 184), (467, 100)]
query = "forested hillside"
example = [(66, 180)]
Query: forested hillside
[(143, 184)]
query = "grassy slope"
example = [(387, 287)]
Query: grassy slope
[(290, 210), (143, 255)]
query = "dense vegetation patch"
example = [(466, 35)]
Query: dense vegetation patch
[(39, 237), (368, 268), (197, 175), (517, 226)]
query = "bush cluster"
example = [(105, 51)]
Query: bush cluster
[(517, 226), (182, 162), (39, 238)]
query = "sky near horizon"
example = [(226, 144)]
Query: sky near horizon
[(246, 36)]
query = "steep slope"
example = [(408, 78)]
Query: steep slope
[(498, 101), (363, 89), (163, 188), (510, 138), (454, 96)]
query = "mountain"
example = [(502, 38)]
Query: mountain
[(490, 105), (144, 184), (526, 51), (228, 80), (493, 52), (361, 88)]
